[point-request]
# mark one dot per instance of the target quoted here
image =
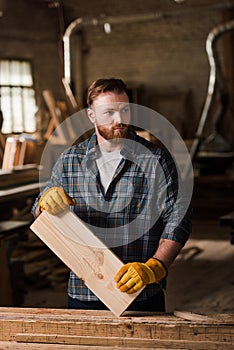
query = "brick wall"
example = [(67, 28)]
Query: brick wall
[(165, 59)]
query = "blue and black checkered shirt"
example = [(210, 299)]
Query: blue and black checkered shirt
[(138, 208)]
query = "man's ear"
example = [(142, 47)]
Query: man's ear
[(91, 115)]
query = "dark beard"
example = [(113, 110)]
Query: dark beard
[(112, 134)]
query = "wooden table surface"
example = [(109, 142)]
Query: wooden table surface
[(38, 328)]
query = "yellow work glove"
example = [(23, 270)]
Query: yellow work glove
[(133, 276), (55, 200)]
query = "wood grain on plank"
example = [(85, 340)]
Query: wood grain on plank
[(131, 342), (70, 239)]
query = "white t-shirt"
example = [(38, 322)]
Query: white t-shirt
[(107, 164)]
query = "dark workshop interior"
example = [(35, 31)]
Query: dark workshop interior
[(177, 58)]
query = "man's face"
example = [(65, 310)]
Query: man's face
[(110, 114)]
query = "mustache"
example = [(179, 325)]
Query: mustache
[(121, 125)]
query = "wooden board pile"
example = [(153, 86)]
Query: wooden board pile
[(85, 329)]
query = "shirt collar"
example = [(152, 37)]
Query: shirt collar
[(92, 148)]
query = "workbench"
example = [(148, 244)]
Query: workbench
[(19, 192), (61, 329), (16, 187)]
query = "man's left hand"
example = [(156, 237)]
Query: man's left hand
[(133, 276)]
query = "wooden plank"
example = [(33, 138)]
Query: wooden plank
[(227, 219), (2, 140), (68, 314), (14, 152), (10, 226), (106, 316), (56, 117), (191, 316), (134, 343), (2, 144), (18, 175), (9, 153), (58, 114), (85, 255), (71, 96), (86, 324), (20, 191), (36, 346)]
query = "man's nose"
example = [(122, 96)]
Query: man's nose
[(118, 118)]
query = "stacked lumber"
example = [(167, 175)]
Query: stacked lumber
[(18, 151), (88, 329)]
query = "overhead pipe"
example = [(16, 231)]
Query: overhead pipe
[(79, 23), (214, 34), (106, 22)]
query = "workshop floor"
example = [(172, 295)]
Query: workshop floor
[(202, 277), (200, 280)]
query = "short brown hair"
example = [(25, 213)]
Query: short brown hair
[(105, 85)]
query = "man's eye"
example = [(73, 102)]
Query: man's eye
[(125, 110), (109, 113)]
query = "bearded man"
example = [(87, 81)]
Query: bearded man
[(126, 189)]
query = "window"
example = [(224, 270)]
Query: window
[(17, 97)]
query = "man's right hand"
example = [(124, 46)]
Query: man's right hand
[(55, 200)]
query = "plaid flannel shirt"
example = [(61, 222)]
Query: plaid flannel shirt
[(134, 213)]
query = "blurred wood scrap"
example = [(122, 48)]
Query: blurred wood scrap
[(60, 122)]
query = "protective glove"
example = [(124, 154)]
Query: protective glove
[(55, 200), (133, 276)]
